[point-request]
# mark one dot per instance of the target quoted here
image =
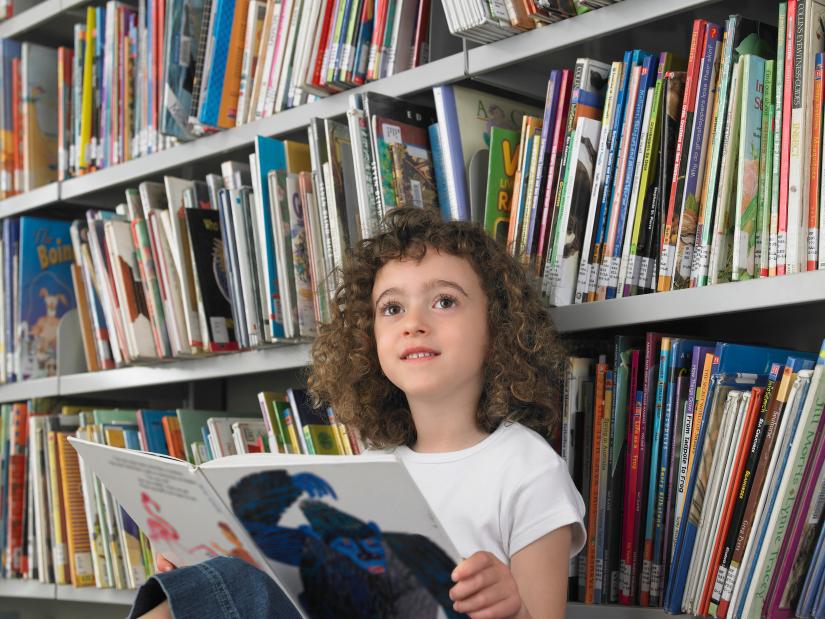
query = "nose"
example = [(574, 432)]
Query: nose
[(415, 323)]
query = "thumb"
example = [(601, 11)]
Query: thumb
[(163, 564)]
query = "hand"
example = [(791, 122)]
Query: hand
[(162, 564), (485, 588), (313, 485)]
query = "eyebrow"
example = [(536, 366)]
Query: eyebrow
[(433, 283)]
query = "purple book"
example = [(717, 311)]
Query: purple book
[(800, 539)]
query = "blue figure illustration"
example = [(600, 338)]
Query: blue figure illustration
[(348, 568)]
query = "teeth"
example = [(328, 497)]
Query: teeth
[(420, 355)]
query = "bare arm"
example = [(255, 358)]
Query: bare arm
[(540, 572)]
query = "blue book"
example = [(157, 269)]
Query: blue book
[(610, 169), (9, 50), (440, 172), (11, 247), (207, 445), (733, 365), (647, 80), (457, 202), (814, 581), (270, 154), (149, 421), (221, 35), (46, 294)]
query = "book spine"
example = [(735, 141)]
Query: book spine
[(812, 223), (761, 249), (667, 260), (595, 468), (776, 164), (788, 88)]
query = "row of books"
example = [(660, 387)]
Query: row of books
[(485, 22), (703, 468), (659, 172), (58, 524), (126, 89)]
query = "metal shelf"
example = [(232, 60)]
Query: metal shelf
[(30, 18), (21, 203), (93, 595), (283, 357), (10, 588), (37, 388), (575, 610), (756, 294)]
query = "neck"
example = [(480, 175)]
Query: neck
[(445, 423)]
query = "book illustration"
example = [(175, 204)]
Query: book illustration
[(414, 179), (348, 567), (504, 154), (313, 524), (46, 294)]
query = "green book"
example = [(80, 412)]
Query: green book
[(192, 420), (747, 181), (501, 170), (763, 223)]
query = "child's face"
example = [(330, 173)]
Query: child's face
[(431, 326)]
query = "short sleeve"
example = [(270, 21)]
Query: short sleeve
[(544, 501)]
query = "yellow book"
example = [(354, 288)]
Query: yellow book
[(344, 433), (297, 157), (81, 568), (234, 61), (698, 410), (59, 547), (83, 162), (289, 426)]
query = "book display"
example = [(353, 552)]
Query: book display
[(178, 197)]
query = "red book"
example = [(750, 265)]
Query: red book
[(422, 35), (816, 161), (553, 164), (671, 227), (785, 157), (16, 497), (379, 26), (323, 44)]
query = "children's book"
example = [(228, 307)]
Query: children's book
[(315, 525)]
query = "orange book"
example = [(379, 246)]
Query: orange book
[(742, 451), (228, 111), (593, 508), (81, 569), (86, 329), (816, 162), (174, 438), (58, 519)]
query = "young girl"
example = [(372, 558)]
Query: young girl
[(441, 352)]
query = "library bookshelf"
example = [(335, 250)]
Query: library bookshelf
[(788, 310)]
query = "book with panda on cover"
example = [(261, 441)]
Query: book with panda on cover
[(348, 536)]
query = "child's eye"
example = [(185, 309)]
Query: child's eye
[(390, 309), (445, 302)]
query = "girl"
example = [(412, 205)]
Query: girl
[(441, 352)]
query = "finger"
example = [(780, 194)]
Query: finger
[(488, 597), (164, 564), (473, 584), (475, 563), (502, 610)]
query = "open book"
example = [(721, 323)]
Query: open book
[(348, 534)]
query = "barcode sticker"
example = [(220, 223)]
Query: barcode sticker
[(185, 51), (220, 334), (417, 195), (392, 134)]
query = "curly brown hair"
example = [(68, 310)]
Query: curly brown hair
[(524, 356)]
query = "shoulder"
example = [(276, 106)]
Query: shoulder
[(527, 450)]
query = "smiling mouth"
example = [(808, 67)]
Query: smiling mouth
[(417, 356)]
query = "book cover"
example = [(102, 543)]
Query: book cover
[(46, 294), (38, 68), (504, 153), (329, 521)]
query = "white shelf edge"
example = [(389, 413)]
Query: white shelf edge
[(32, 589), (592, 25), (408, 82), (21, 203), (282, 357), (30, 18), (773, 292), (94, 595), (37, 388)]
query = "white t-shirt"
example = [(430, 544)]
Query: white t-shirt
[(501, 494)]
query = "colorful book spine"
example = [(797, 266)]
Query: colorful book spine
[(763, 230), (778, 137), (787, 101), (747, 184)]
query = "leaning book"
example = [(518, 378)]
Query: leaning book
[(350, 533)]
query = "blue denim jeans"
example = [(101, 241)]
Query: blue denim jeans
[(221, 588)]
